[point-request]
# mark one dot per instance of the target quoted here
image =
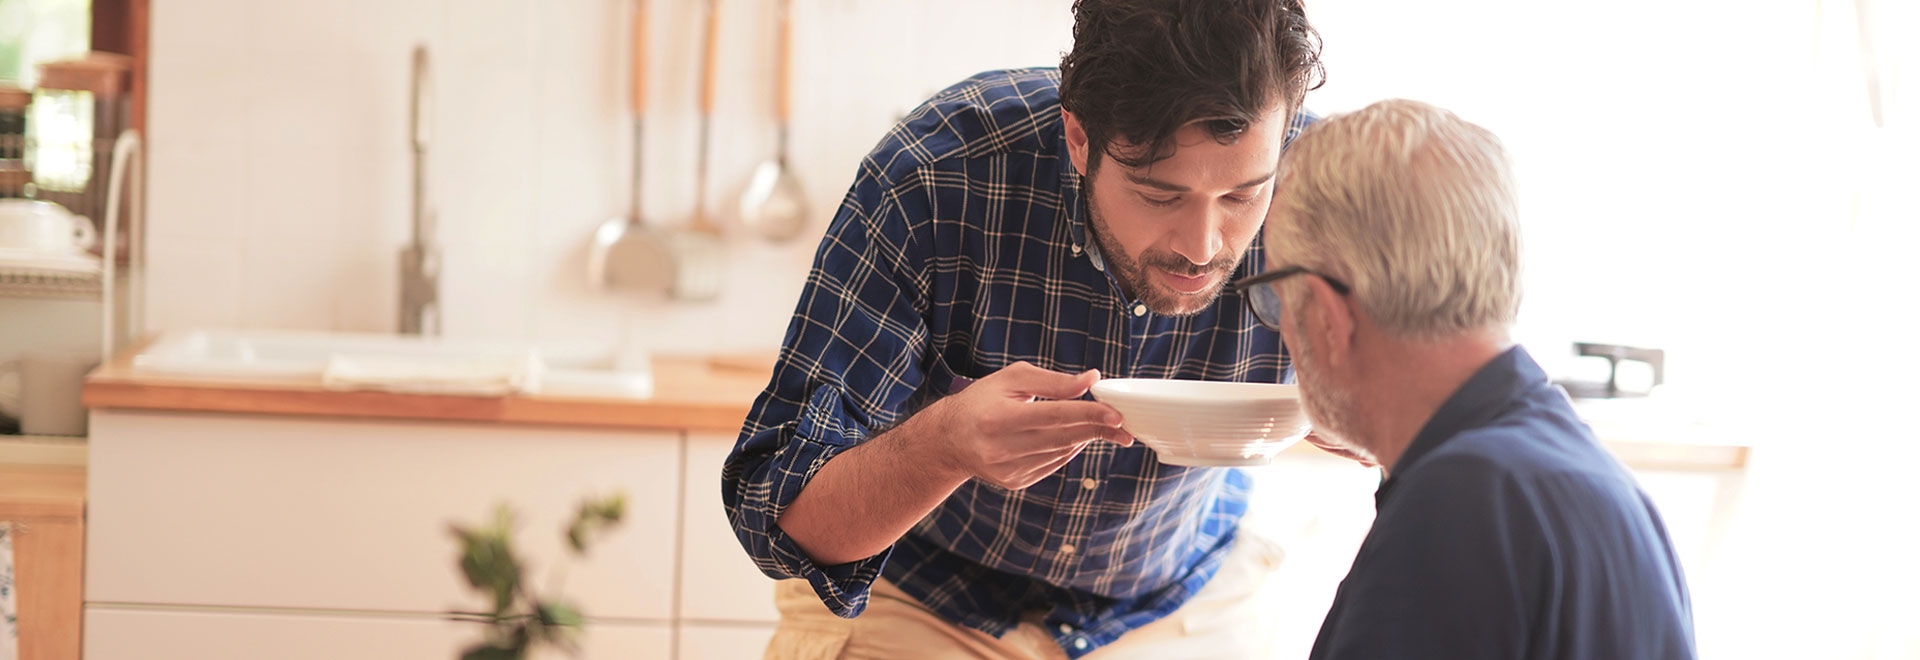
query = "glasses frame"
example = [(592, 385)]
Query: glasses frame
[(1245, 286)]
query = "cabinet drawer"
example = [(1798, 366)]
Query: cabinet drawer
[(724, 642), (130, 634), (305, 513), (722, 583)]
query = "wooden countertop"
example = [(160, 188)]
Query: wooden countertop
[(691, 393)]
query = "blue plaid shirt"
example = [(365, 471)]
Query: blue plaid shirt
[(962, 248)]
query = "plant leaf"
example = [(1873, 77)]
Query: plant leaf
[(560, 614), (613, 508), (487, 560), (593, 517), (577, 536), (556, 623), (492, 651)]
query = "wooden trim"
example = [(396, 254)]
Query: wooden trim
[(121, 26), (48, 579), (45, 506), (532, 410), (42, 492), (689, 394)]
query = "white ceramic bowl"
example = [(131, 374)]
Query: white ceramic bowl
[(1207, 423)]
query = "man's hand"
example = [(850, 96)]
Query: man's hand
[(1015, 427), (1010, 429), (1340, 450)]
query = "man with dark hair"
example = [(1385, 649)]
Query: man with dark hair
[(924, 461)]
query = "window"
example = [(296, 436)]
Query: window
[(34, 31), (1690, 172)]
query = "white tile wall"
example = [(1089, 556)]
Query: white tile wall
[(193, 282), (280, 187)]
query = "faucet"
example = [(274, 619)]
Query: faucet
[(420, 260)]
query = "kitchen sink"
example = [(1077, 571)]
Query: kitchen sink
[(316, 358)]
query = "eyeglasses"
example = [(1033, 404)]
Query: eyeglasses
[(1263, 299)]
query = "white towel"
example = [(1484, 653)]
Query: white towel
[(426, 374)]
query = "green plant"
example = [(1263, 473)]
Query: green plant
[(522, 619)]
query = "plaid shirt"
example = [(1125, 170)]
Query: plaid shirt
[(962, 248)]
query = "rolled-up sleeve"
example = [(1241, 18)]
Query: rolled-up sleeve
[(852, 359)]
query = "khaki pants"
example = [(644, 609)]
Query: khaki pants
[(1224, 620)]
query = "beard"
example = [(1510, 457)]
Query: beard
[(1137, 280), (1329, 408)]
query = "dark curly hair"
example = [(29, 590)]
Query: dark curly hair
[(1141, 69)]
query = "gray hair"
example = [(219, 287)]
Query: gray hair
[(1414, 208)]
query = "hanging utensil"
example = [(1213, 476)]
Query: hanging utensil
[(420, 260), (624, 252), (773, 205), (697, 251)]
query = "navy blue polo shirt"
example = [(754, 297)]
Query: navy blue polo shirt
[(1507, 531)]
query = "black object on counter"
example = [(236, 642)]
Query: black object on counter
[(1614, 355)]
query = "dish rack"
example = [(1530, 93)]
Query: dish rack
[(93, 278), (26, 281)]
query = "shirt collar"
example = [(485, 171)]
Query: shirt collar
[(1483, 397), (1071, 202)]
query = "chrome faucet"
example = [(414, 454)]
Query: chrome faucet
[(420, 261)]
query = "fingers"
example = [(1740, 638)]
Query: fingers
[(1035, 468), (1045, 414), (1022, 378)]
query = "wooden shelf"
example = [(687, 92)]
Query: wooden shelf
[(20, 451)]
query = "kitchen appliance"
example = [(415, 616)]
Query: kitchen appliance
[(1614, 387)]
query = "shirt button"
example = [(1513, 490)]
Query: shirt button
[(1089, 484), (1080, 644), (1066, 629), (1066, 548), (1139, 309), (1076, 249)]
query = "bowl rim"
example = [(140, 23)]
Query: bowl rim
[(1117, 388)]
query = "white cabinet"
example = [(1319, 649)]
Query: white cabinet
[(132, 634), (230, 536), (724, 641), (722, 583), (280, 512)]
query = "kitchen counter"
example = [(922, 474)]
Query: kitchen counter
[(691, 393)]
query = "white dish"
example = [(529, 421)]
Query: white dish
[(1207, 423), (75, 262)]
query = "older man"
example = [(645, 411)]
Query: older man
[(1504, 530)]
